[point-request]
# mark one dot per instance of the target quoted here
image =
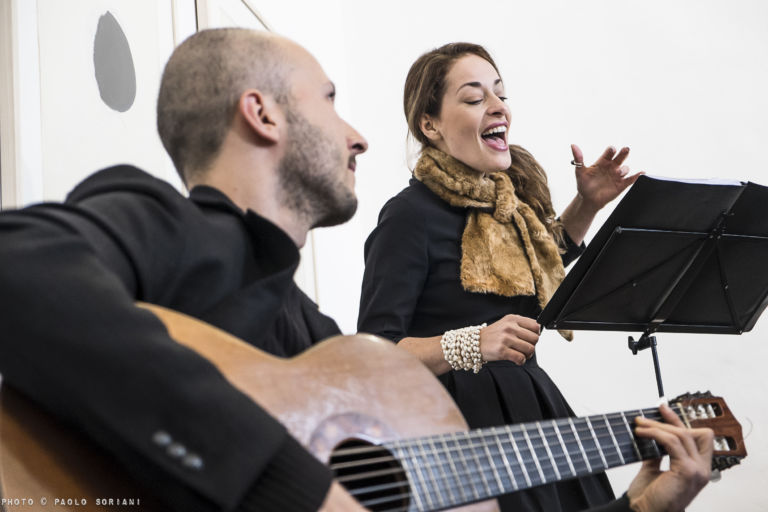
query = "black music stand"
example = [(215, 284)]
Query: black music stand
[(674, 256)]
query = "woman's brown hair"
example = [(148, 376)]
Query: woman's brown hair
[(423, 94)]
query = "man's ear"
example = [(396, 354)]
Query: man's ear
[(430, 127), (261, 113)]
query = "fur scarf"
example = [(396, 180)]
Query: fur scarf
[(505, 248)]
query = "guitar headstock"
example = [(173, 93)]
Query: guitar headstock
[(704, 410)]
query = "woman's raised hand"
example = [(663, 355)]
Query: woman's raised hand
[(513, 338), (601, 182)]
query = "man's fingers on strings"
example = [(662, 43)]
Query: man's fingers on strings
[(670, 416), (676, 439), (671, 442), (705, 441), (653, 465), (669, 420)]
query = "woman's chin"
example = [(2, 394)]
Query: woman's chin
[(501, 164), (486, 163)]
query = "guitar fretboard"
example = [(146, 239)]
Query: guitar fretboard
[(453, 469)]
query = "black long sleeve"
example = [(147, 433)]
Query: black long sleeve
[(74, 342)]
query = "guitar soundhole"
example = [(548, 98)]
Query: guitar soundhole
[(372, 475)]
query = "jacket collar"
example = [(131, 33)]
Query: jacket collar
[(210, 197), (205, 195)]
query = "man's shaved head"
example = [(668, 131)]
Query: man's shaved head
[(202, 84)]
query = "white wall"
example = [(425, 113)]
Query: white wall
[(682, 83)]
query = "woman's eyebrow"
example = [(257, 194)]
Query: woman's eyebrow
[(478, 84)]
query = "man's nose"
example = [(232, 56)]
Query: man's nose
[(356, 142)]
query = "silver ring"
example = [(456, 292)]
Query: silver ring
[(577, 164)]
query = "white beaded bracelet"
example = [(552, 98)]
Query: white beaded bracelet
[(461, 348)]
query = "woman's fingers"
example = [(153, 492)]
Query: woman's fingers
[(515, 356), (578, 156), (525, 322), (607, 156), (513, 338), (517, 332), (610, 157), (622, 155)]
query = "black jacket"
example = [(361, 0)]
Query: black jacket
[(73, 341)]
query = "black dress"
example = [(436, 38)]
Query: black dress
[(411, 287)]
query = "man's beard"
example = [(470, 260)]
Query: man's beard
[(310, 176)]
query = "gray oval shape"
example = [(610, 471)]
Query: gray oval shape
[(113, 64)]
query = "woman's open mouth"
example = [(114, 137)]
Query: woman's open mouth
[(496, 138)]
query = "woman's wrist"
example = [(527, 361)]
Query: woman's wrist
[(461, 348), (585, 207), (577, 218)]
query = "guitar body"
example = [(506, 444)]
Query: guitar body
[(348, 387)]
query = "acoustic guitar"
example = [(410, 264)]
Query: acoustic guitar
[(387, 428)]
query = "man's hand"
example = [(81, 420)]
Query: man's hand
[(690, 463)]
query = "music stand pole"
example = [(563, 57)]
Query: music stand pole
[(644, 342)]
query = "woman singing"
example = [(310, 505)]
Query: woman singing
[(463, 259)]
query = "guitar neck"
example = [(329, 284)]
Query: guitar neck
[(449, 470)]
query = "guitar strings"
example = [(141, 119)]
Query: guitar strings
[(482, 435), (458, 483), (492, 431), (578, 422), (483, 438), (434, 477), (433, 460)]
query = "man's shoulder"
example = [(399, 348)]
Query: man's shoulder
[(124, 179)]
